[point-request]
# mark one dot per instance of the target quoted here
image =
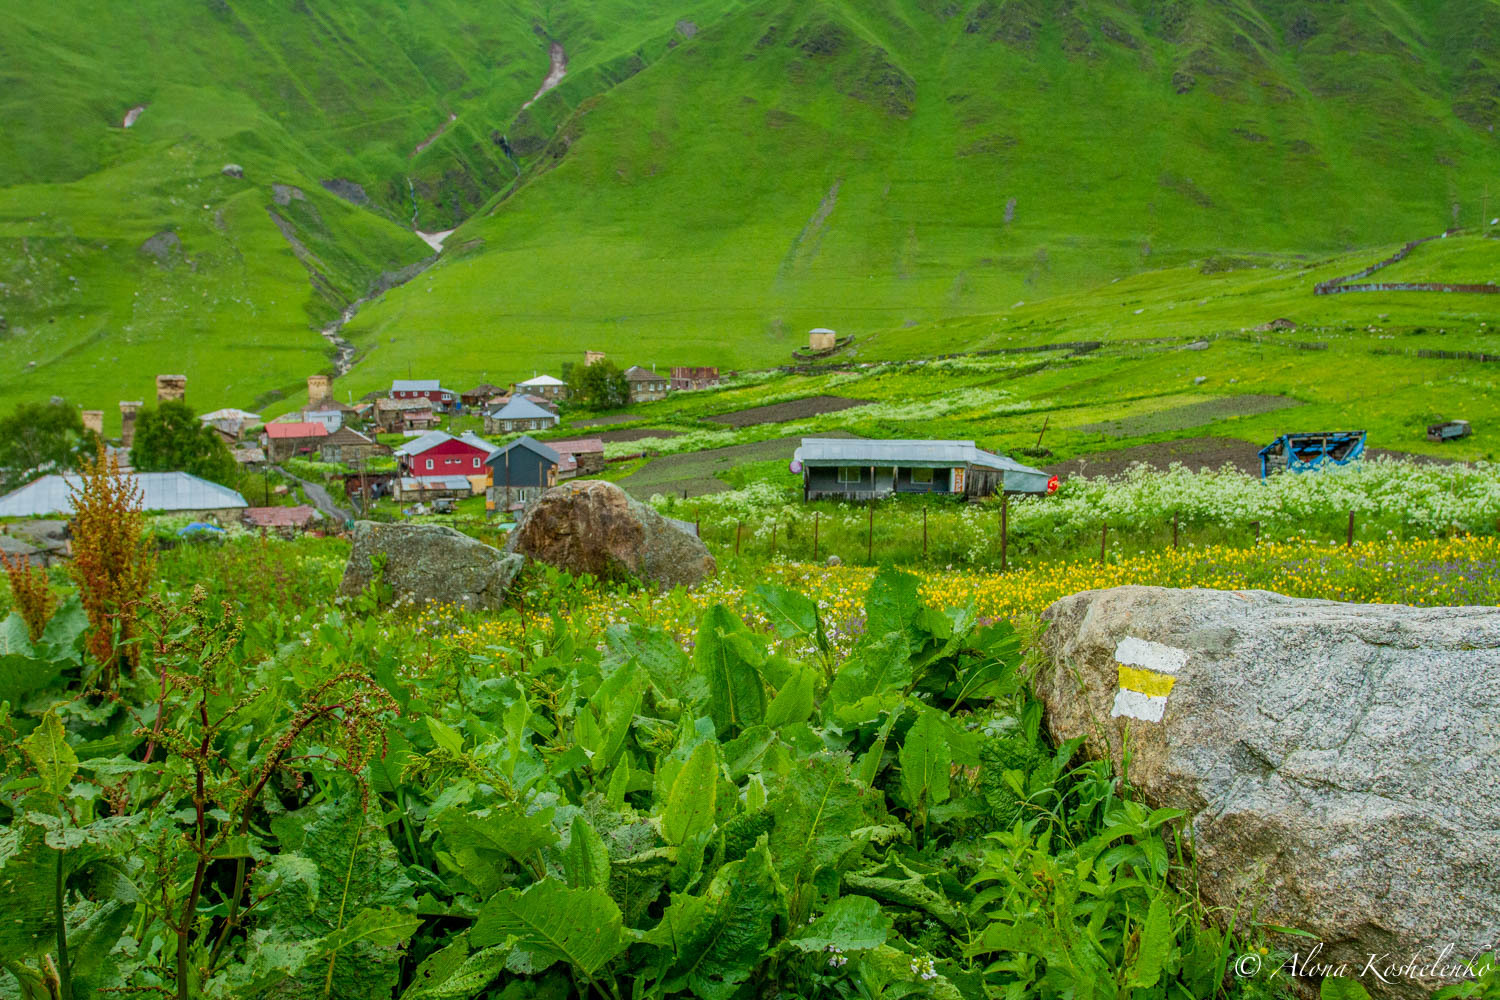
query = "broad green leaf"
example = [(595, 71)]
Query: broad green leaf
[(21, 675), (357, 870), (925, 761), (872, 680), (711, 944), (1156, 944), (586, 860), (852, 923), (794, 702), (619, 785), (15, 638), (47, 749), (445, 737), (728, 656), (555, 924), (792, 615), (455, 974), (617, 702), (869, 763), (660, 656), (382, 926), (892, 603), (28, 873), (60, 634), (817, 806), (506, 828), (1342, 988), (285, 870), (690, 804)]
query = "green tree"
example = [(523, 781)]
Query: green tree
[(601, 385), (38, 438), (171, 438)]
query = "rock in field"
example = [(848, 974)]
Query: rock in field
[(1338, 762), (430, 561), (590, 526)]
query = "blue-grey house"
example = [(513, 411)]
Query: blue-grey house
[(855, 469), (520, 471)]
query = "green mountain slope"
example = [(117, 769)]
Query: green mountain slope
[(707, 181)]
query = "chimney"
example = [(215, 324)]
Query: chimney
[(319, 387), (170, 388), (128, 410), (93, 420)]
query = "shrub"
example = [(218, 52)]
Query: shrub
[(30, 593), (112, 561)]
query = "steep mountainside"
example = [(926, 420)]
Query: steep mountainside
[(705, 182)]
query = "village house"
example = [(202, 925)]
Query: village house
[(855, 469), (350, 447), (689, 379), (645, 384), (230, 423), (438, 453), (519, 472), (282, 520), (161, 492), (480, 395), (284, 440), (423, 388), (520, 414), (578, 457), (545, 386), (425, 489), (394, 416), (249, 455)]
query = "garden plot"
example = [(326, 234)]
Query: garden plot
[(617, 418), (795, 409), (1194, 453), (1155, 420), (635, 434), (696, 471)]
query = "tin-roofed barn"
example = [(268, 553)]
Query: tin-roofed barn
[(287, 439), (645, 384), (855, 469), (429, 389), (161, 492)]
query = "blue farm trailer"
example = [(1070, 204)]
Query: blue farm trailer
[(1311, 450)]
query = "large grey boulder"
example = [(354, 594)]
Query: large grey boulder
[(430, 561), (1340, 763), (591, 526)]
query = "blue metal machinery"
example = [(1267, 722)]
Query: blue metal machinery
[(1310, 450)]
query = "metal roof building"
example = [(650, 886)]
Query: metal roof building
[(861, 469), (165, 492)]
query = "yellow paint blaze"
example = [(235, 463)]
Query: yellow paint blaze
[(1147, 682)]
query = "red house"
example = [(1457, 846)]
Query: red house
[(423, 388), (438, 453)]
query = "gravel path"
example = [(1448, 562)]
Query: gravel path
[(320, 498)]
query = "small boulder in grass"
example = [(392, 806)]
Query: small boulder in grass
[(595, 527)]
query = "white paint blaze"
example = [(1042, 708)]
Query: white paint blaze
[(1156, 656), (1135, 705)]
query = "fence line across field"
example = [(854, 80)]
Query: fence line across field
[(783, 534)]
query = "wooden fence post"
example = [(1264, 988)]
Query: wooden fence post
[(1004, 526), (870, 537), (773, 538), (816, 515), (1349, 538), (1175, 516), (1103, 540), (738, 527), (1257, 532), (924, 532)]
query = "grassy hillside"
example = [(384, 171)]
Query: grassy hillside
[(707, 182)]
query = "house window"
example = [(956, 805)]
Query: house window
[(476, 461), (848, 473), (429, 463), (921, 476)]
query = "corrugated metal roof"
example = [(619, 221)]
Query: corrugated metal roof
[(855, 451), (520, 408), (299, 429), (229, 413), (435, 483), (531, 444), (416, 385), (417, 445), (161, 491), (543, 380), (577, 446), (635, 373), (280, 517), (469, 437)]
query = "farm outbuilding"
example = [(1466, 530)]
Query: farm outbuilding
[(520, 414), (1307, 451), (161, 492), (856, 469)]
